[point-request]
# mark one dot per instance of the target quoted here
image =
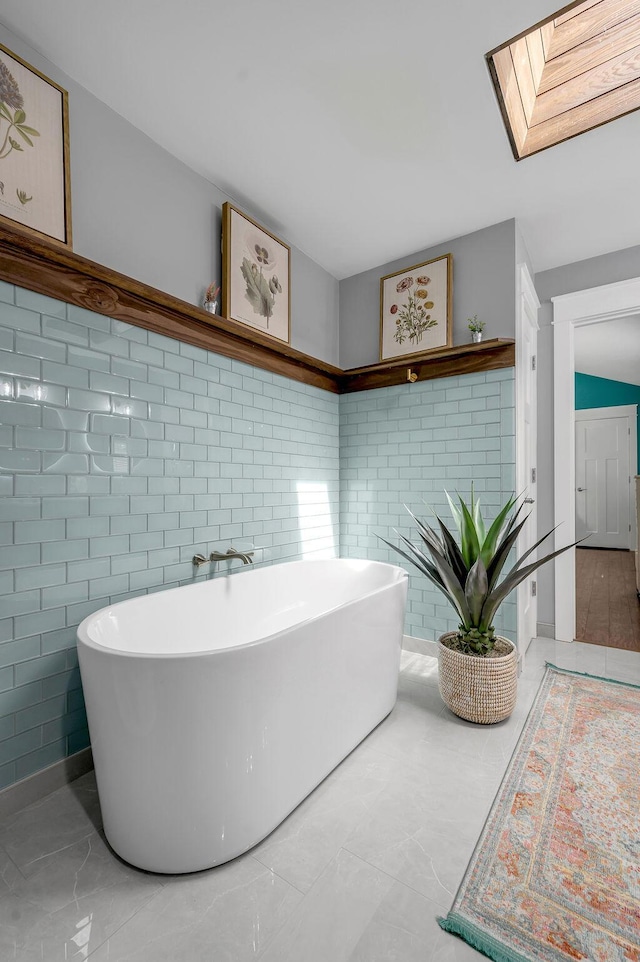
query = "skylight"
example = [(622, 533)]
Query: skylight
[(573, 72)]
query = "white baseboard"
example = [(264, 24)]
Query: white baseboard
[(421, 646), (32, 789)]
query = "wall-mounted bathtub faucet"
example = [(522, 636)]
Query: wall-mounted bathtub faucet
[(232, 553), (199, 559)]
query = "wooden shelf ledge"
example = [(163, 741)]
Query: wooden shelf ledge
[(462, 359), (52, 269)]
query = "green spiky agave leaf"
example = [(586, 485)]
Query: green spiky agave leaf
[(478, 520), (475, 590), (433, 543), (454, 585), (510, 524), (437, 574), (418, 521), (416, 552), (503, 548), (492, 536), (530, 551), (515, 577), (419, 561), (469, 544), (431, 539), (455, 511), (454, 554), (435, 546)]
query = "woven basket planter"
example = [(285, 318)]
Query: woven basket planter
[(480, 690)]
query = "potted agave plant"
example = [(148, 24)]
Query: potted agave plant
[(477, 668)]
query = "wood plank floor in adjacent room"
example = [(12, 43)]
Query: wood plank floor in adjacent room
[(607, 606)]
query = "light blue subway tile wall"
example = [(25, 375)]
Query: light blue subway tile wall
[(122, 454), (406, 445)]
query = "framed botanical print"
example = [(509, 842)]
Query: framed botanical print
[(415, 309), (256, 268), (35, 184)]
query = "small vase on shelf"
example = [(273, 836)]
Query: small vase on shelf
[(476, 327), (211, 298)]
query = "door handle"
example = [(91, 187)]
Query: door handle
[(529, 501), (581, 489)]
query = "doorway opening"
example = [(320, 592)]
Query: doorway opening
[(572, 312), (607, 610)]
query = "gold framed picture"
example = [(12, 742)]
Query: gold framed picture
[(415, 309), (256, 267), (35, 182)]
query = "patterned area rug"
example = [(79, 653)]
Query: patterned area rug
[(556, 873)]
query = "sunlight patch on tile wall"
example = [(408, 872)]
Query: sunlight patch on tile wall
[(317, 525)]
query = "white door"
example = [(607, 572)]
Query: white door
[(526, 446), (604, 439)]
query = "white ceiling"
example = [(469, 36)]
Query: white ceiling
[(610, 349), (360, 130)]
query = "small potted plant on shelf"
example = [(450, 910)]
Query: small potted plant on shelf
[(211, 298), (477, 668), (476, 327)]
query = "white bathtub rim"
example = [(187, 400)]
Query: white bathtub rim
[(83, 635)]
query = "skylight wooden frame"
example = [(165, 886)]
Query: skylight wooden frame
[(557, 79)]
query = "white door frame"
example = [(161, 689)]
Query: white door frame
[(570, 311), (630, 412), (527, 307)]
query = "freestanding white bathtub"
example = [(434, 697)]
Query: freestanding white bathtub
[(215, 708)]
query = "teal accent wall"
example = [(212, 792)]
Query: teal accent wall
[(600, 392), (405, 445), (122, 454)]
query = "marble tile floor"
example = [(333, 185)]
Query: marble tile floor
[(357, 873)]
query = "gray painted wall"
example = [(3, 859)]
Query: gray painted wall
[(138, 210), (594, 272), (522, 254), (483, 284)]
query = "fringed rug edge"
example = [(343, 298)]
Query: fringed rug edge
[(586, 674), (477, 939)]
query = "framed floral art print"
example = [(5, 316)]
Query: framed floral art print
[(415, 309), (35, 184), (256, 268)]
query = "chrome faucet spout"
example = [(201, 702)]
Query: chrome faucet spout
[(245, 556)]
